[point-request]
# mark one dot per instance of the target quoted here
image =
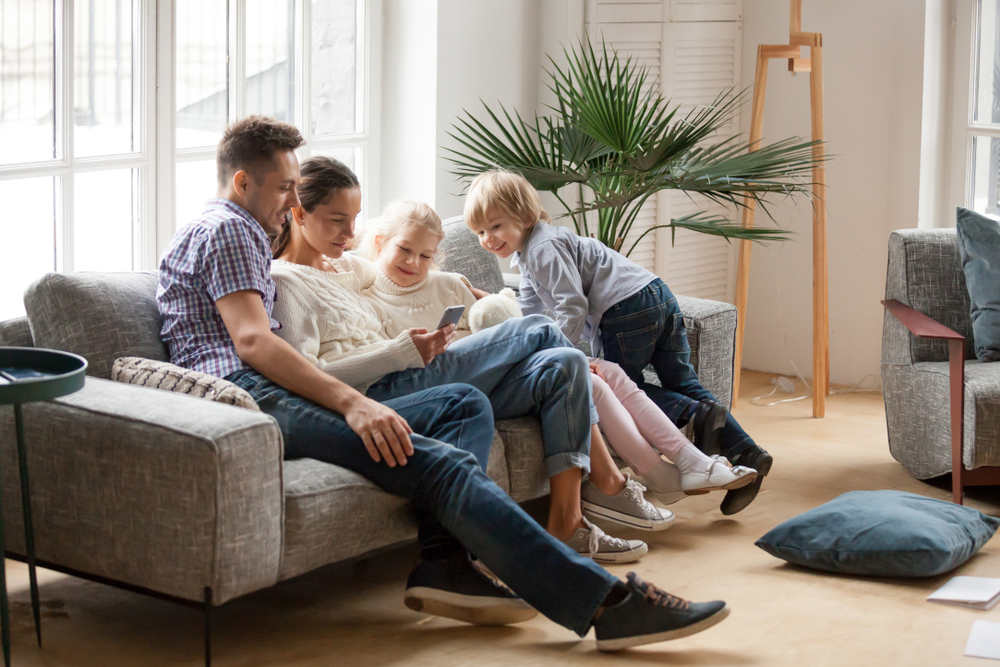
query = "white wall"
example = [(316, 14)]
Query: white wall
[(409, 101), (487, 50), (873, 62)]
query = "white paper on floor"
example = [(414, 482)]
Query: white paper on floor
[(976, 592), (984, 640)]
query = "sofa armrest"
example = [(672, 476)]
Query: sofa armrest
[(154, 489), (711, 333)]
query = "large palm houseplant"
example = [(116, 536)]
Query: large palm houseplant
[(620, 142)]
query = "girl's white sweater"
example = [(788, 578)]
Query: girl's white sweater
[(421, 306), (325, 317)]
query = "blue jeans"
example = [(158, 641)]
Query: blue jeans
[(525, 366), (648, 328), (446, 482)]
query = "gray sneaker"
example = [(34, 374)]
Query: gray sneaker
[(595, 543), (628, 507)]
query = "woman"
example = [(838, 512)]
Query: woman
[(325, 316)]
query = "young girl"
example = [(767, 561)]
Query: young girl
[(523, 367), (598, 295), (403, 243)]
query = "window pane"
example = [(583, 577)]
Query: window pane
[(349, 156), (202, 72), (29, 240), (27, 81), (985, 176), (102, 78), (270, 38), (104, 215), (195, 183), (334, 75)]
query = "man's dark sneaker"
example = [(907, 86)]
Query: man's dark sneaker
[(454, 587), (708, 420), (649, 615), (738, 499)]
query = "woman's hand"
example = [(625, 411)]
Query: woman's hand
[(429, 345), (478, 293), (596, 370)]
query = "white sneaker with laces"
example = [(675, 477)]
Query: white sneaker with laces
[(594, 543), (717, 476)]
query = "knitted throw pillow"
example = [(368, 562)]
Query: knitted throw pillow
[(162, 375)]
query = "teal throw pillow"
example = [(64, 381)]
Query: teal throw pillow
[(882, 534), (979, 243)]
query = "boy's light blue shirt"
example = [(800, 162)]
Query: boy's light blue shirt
[(578, 279)]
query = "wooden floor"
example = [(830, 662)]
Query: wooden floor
[(353, 614)]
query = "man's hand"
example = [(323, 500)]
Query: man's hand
[(429, 345), (386, 435), (596, 370)]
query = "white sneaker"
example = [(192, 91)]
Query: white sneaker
[(628, 507), (717, 476), (594, 543)]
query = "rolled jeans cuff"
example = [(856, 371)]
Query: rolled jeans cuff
[(594, 418), (564, 461)]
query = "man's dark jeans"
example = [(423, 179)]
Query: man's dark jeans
[(648, 328), (446, 481)]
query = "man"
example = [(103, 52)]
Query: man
[(215, 295)]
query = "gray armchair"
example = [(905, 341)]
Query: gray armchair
[(942, 405)]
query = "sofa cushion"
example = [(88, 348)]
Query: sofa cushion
[(882, 533), (169, 377), (979, 243), (461, 253), (332, 513), (100, 316), (522, 441)]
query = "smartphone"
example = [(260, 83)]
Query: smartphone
[(451, 316)]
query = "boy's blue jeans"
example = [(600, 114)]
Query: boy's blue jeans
[(648, 328), (525, 366)]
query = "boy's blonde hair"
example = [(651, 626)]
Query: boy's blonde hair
[(395, 215), (504, 192)]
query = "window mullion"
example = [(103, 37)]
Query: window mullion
[(237, 59), (64, 123), (164, 103), (303, 66)]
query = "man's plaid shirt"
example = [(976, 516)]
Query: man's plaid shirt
[(223, 251)]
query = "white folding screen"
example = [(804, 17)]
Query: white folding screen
[(692, 51)]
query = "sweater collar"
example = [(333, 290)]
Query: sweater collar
[(386, 286)]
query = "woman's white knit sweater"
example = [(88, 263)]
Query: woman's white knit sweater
[(324, 316), (421, 306)]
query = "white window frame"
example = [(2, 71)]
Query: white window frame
[(63, 167), (368, 73), (964, 129)]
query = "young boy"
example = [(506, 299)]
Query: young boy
[(599, 296)]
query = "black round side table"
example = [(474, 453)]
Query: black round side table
[(29, 374)]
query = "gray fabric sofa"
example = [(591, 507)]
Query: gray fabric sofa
[(925, 273), (179, 495)]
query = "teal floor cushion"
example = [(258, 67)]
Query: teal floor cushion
[(882, 533)]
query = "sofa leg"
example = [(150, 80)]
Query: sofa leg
[(208, 627)]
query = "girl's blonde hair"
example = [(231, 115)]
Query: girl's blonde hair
[(395, 215), (505, 192)]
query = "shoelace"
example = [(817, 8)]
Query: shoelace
[(638, 495), (657, 596), (596, 536)]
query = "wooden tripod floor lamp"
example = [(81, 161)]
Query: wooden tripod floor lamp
[(821, 327)]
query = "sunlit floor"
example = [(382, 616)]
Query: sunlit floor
[(353, 614)]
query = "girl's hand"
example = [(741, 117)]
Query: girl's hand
[(429, 345), (478, 293), (596, 370)]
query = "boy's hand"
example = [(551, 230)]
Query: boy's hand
[(429, 345), (596, 370), (386, 435)]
